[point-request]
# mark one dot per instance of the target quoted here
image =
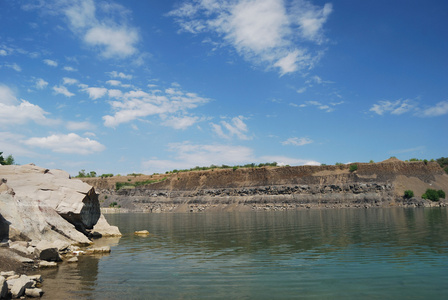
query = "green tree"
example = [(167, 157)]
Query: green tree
[(353, 167), (433, 195), (8, 161)]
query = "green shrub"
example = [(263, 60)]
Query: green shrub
[(433, 195), (353, 167), (408, 194), (113, 204)]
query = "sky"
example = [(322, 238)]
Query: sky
[(151, 86)]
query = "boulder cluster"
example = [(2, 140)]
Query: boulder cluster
[(16, 286), (46, 217)]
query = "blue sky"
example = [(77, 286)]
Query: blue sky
[(151, 86)]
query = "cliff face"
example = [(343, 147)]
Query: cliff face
[(380, 184)]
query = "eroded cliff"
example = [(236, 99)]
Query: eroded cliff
[(376, 184)]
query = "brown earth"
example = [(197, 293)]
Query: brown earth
[(378, 184)]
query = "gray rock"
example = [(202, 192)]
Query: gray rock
[(18, 289), (102, 228), (36, 278), (3, 287), (7, 274), (72, 260), (47, 251)]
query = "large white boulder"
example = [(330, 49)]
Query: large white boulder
[(40, 204)]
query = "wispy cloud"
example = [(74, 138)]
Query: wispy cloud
[(115, 74), (50, 62), (188, 155), (325, 107), (62, 90), (295, 141), (439, 109), (69, 69), (14, 66), (69, 81), (7, 95), (180, 122), (96, 92), (76, 126), (236, 127), (397, 107), (266, 32), (66, 143), (284, 160), (139, 104), (41, 84)]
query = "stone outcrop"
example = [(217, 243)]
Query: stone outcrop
[(41, 204), (279, 188)]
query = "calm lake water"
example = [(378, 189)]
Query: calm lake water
[(314, 254)]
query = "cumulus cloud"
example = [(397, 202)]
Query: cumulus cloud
[(236, 127), (23, 113), (139, 104), (66, 143), (7, 95), (439, 109), (269, 32), (50, 62), (96, 92), (62, 90), (3, 52), (394, 107), (295, 141)]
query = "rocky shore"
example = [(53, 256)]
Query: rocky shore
[(45, 218), (282, 188)]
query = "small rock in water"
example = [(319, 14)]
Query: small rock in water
[(73, 260), (99, 250), (47, 264), (142, 232), (34, 293), (18, 289)]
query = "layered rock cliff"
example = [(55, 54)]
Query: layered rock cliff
[(376, 184), (41, 204)]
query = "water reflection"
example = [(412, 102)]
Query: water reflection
[(337, 254)]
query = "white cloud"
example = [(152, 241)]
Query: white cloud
[(439, 109), (394, 107), (301, 90), (235, 128), (115, 42), (263, 31), (3, 52), (14, 66), (41, 84), (114, 93), (70, 69), (180, 122), (188, 155), (66, 143), (62, 90), (295, 141), (7, 95), (283, 161), (10, 143), (76, 126), (96, 92), (325, 107), (310, 19), (115, 74), (50, 62), (112, 38), (23, 113), (69, 81), (138, 104), (114, 82)]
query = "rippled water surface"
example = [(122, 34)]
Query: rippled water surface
[(314, 254)]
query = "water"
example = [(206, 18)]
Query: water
[(313, 254)]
